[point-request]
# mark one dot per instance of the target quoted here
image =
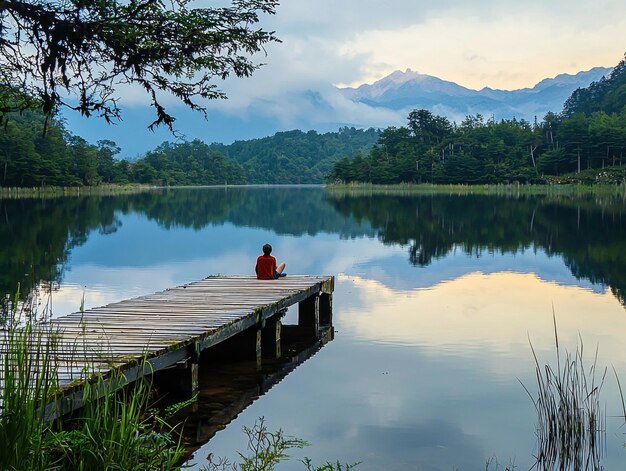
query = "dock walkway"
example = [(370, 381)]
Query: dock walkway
[(172, 328)]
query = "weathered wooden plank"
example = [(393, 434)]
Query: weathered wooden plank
[(161, 329)]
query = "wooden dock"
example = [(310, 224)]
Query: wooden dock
[(172, 328)]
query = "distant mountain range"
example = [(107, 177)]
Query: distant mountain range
[(404, 91), (384, 103)]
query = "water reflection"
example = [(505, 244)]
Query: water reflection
[(436, 299), (493, 311), (229, 384), (39, 236), (591, 237), (437, 386)]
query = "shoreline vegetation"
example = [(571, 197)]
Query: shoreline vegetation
[(567, 186), (116, 428), (59, 191), (510, 189)]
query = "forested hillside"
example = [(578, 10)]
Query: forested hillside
[(589, 134), (297, 156), (30, 157), (187, 163), (608, 95)]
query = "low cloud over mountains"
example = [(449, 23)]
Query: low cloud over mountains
[(404, 91), (383, 103)]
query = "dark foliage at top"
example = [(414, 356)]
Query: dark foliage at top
[(76, 53)]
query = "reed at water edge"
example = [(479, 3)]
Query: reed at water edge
[(114, 429), (571, 423)]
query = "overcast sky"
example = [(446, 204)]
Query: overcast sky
[(505, 44)]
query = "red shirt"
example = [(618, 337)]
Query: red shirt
[(265, 267)]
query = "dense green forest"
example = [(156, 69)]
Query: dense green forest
[(297, 156), (30, 157), (589, 134)]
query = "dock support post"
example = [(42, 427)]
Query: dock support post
[(259, 344), (309, 314), (326, 309), (271, 337), (189, 374)]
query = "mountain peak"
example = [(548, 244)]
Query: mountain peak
[(400, 77), (404, 90), (591, 75)]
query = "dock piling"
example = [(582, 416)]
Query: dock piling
[(309, 314)]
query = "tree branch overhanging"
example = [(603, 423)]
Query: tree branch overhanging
[(75, 53)]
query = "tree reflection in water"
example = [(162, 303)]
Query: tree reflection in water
[(38, 235)]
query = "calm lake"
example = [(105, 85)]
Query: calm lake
[(436, 298)]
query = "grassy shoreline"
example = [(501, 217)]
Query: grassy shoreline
[(61, 191), (405, 189), (353, 189)]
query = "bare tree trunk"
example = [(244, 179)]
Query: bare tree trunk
[(532, 157), (578, 152)]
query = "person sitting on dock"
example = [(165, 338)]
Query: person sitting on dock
[(266, 268)]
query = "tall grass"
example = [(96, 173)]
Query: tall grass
[(59, 191), (570, 419), (27, 379), (512, 189), (113, 430)]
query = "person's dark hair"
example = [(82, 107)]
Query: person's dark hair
[(267, 249)]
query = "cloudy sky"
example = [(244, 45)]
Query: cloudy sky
[(506, 44)]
